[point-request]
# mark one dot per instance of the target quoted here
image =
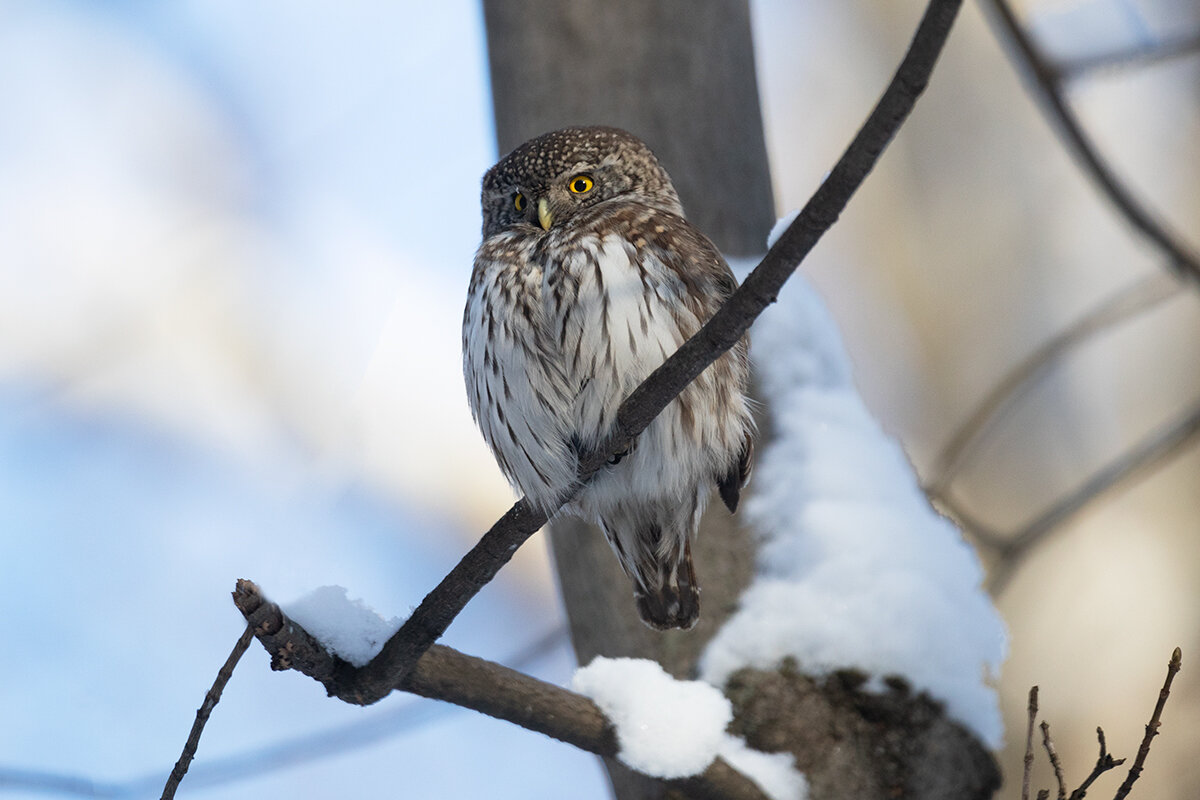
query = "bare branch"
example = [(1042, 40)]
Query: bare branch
[(1155, 448), (1142, 295), (1104, 763), (1140, 55), (1173, 667), (1054, 762), (443, 673), (431, 618), (1178, 254), (1033, 708), (210, 701)]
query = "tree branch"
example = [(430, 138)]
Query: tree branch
[(1142, 295), (1138, 55), (210, 701), (443, 673), (1104, 762), (1033, 709), (431, 618), (1156, 447), (1181, 258), (1173, 667), (1048, 743)]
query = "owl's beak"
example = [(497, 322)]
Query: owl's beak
[(544, 215)]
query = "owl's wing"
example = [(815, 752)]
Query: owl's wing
[(514, 378), (730, 485), (707, 281)]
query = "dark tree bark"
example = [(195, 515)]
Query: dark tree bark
[(680, 75)]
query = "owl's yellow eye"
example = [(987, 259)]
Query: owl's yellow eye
[(519, 202), (581, 184)]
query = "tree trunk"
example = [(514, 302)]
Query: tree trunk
[(680, 75)]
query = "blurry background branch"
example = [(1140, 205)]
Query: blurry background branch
[(1146, 294), (1180, 257), (1177, 46)]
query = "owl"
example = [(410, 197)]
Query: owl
[(587, 279)]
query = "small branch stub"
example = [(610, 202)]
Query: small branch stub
[(1173, 667), (1033, 709)]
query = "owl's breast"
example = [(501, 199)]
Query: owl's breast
[(514, 379), (616, 311)]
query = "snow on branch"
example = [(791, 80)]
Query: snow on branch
[(855, 569), (443, 673), (669, 728)]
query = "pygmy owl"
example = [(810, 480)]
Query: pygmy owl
[(587, 279)]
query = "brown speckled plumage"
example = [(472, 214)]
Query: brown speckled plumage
[(575, 298)]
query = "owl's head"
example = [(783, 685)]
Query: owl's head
[(547, 181)]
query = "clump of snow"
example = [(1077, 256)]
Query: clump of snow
[(669, 728), (855, 568), (347, 628), (665, 728)]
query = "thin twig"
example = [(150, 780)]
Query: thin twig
[(1104, 763), (1127, 303), (443, 673), (210, 701), (1033, 708), (1048, 743), (1155, 448), (431, 618), (1179, 256), (1173, 667), (1138, 55)]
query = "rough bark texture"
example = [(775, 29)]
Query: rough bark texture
[(680, 74), (856, 744)]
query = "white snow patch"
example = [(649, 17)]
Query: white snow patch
[(775, 773), (856, 570), (669, 728), (665, 728), (347, 628), (780, 226)]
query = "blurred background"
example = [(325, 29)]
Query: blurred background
[(234, 246)]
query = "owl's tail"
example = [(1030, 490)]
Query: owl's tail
[(667, 594), (653, 543)]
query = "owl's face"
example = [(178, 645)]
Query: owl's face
[(546, 182)]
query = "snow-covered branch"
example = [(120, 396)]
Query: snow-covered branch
[(443, 673)]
